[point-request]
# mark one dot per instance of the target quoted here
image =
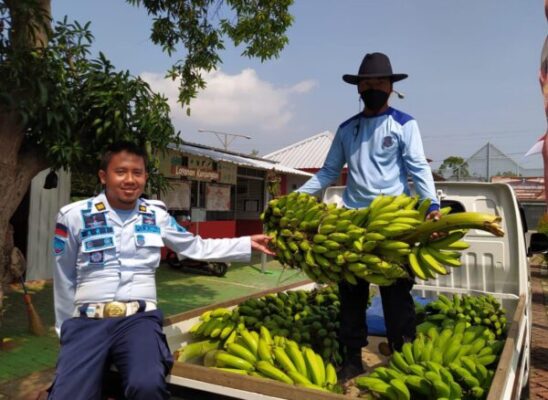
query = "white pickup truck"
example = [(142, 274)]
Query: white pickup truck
[(493, 265)]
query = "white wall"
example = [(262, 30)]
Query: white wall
[(43, 208), (295, 181)]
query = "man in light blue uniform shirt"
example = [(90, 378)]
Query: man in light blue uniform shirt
[(107, 250), (381, 147)]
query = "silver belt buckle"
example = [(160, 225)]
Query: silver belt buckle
[(114, 309)]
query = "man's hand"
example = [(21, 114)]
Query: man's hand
[(260, 243), (435, 215)]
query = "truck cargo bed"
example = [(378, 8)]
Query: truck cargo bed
[(492, 265)]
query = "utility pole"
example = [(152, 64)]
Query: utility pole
[(224, 136)]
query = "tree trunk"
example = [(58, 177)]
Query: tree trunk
[(19, 162), (18, 168)]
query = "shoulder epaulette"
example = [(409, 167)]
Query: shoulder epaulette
[(353, 118), (156, 203)]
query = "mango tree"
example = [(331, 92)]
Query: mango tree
[(59, 107)]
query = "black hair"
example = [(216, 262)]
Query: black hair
[(118, 147)]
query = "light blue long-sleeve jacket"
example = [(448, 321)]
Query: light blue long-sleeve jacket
[(100, 258), (381, 152)]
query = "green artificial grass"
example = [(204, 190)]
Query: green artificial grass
[(178, 291)]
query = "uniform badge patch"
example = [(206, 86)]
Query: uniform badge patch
[(149, 219), (100, 206), (96, 257), (140, 240), (58, 246), (387, 141), (61, 230), (142, 208), (98, 244), (147, 229), (94, 220), (102, 230)]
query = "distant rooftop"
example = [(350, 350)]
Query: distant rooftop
[(237, 158), (308, 153)]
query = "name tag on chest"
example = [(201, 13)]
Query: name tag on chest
[(98, 244)]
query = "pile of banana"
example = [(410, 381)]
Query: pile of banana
[(482, 310), (454, 363), (263, 355), (375, 243), (310, 318)]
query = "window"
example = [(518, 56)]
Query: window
[(197, 194)]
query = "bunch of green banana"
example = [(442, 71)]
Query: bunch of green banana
[(431, 258), (215, 324), (481, 310), (196, 350), (454, 363), (311, 318), (375, 243), (272, 357)]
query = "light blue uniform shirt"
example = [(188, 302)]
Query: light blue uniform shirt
[(380, 152), (100, 258)]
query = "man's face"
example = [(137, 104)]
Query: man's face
[(383, 84), (124, 179)]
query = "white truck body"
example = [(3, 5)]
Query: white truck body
[(493, 265)]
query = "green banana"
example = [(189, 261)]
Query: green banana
[(401, 389), (232, 370), (430, 262), (445, 257), (415, 265), (373, 384), (321, 369), (297, 377), (282, 359), (419, 385), (407, 351), (242, 352), (399, 362), (225, 359), (330, 375), (312, 366), (294, 353), (197, 349), (270, 371), (250, 342)]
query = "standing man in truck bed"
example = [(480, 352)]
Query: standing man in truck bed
[(381, 147)]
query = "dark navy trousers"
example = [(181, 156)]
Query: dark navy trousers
[(136, 345), (398, 309)]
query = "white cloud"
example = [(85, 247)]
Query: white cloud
[(242, 101)]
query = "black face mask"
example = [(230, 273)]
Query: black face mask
[(374, 99)]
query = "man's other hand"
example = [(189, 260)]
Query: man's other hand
[(435, 216), (260, 243)]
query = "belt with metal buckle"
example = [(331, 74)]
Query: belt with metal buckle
[(113, 309)]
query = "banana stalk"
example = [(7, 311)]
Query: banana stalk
[(462, 220)]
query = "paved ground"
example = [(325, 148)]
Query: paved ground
[(28, 386), (538, 379)]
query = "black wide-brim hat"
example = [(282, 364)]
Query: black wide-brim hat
[(374, 65)]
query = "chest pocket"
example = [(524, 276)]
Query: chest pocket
[(148, 236)]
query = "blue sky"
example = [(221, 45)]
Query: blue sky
[(472, 65)]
